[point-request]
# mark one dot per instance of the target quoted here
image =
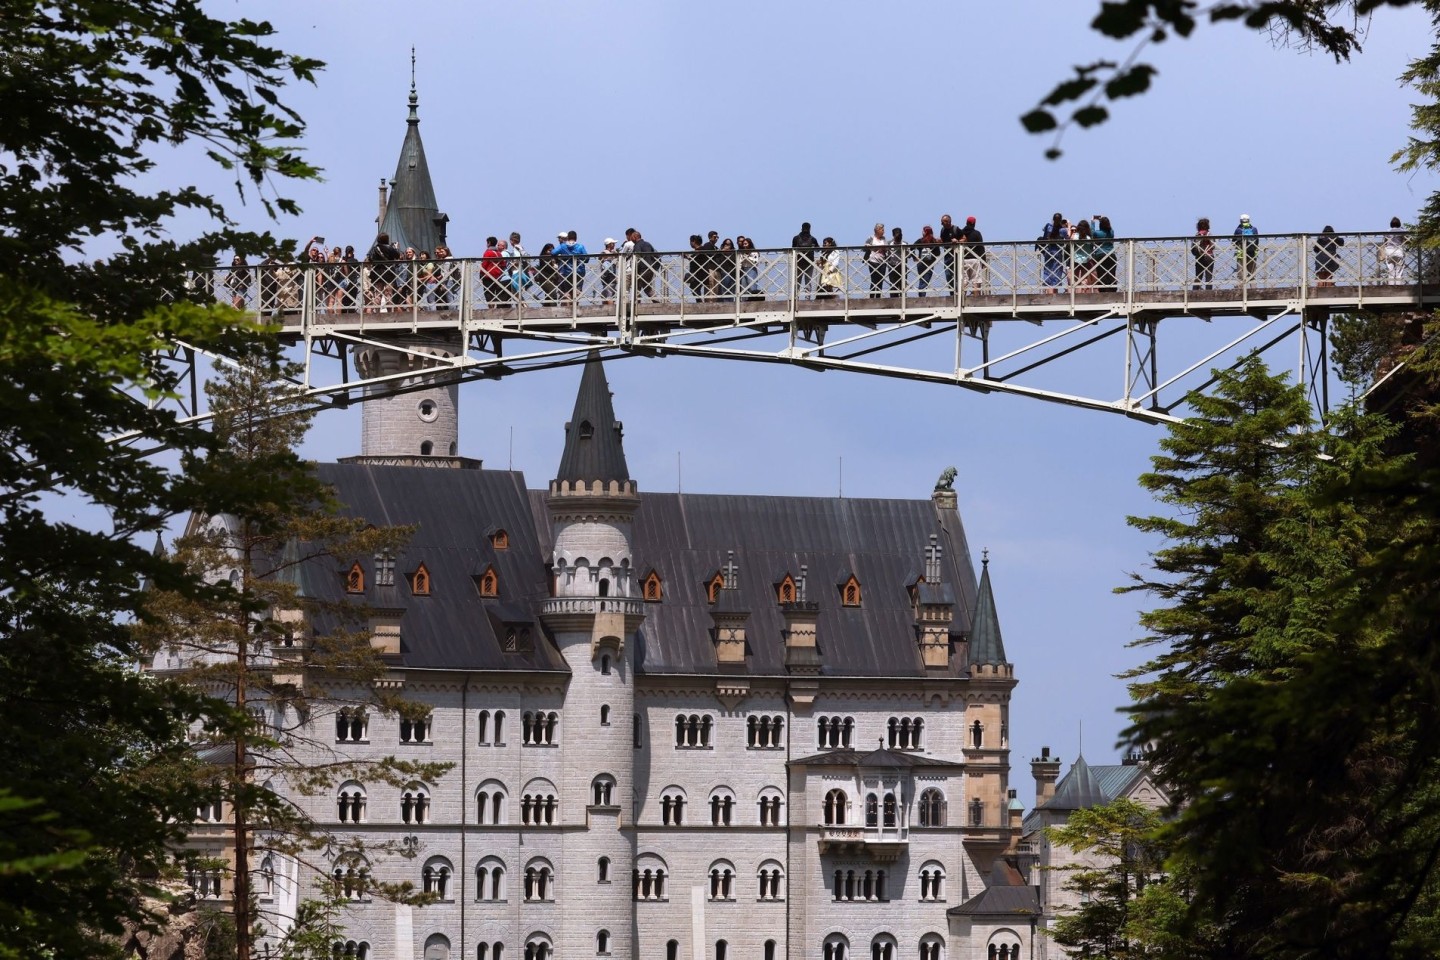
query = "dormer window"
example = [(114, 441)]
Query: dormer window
[(651, 588), (420, 581), (785, 592), (385, 569), (488, 583), (713, 588), (500, 540), (850, 592), (355, 578)]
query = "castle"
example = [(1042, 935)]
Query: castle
[(695, 726)]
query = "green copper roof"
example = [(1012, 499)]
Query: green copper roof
[(986, 646)]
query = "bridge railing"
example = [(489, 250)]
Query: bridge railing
[(852, 280)]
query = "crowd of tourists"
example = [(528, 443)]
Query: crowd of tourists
[(1078, 255)]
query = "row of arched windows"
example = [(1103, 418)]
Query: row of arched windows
[(884, 947), (883, 811), (833, 733), (693, 731), (858, 885), (765, 733), (352, 725), (539, 728)]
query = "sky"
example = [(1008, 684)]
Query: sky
[(749, 117)]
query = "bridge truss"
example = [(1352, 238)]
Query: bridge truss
[(1132, 329)]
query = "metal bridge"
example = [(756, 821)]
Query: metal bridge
[(1129, 327)]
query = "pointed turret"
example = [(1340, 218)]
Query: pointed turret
[(986, 646), (412, 216), (593, 447)]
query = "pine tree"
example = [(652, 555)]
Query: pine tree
[(270, 663)]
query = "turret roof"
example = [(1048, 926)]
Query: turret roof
[(593, 448), (986, 646), (412, 217), (1080, 790)]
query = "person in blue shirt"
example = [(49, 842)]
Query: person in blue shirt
[(1247, 248), (571, 263), (1105, 266)]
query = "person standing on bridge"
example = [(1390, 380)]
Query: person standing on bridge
[(949, 235), (804, 245), (927, 252), (875, 245), (1202, 249), (492, 272), (608, 268), (832, 273), (1247, 248), (1105, 266), (975, 271), (573, 261), (1327, 263), (1392, 253), (643, 264), (1052, 253), (895, 262)]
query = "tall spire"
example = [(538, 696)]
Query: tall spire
[(593, 448), (986, 646), (412, 216)]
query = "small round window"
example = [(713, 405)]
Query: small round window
[(429, 410)]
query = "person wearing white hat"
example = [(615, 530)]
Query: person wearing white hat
[(1246, 249), (609, 258)]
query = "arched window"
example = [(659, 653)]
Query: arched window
[(538, 805), (602, 942), (491, 806), (602, 870), (837, 947), (770, 803), (651, 588), (932, 947), (437, 947), (490, 880), (765, 732), (420, 581), (355, 579), (352, 725), (490, 951), (672, 949), (672, 807), (415, 730), (722, 880), (872, 810), (836, 808), (785, 591), (905, 732), (722, 949), (350, 803), (977, 812), (488, 583), (890, 813), (692, 731), (932, 880), (605, 715), (435, 877), (850, 592), (538, 947), (500, 540), (267, 877), (539, 881), (770, 880), (484, 726), (415, 804), (601, 790), (713, 588), (835, 732), (977, 735), (722, 806), (932, 808), (351, 876), (883, 948), (649, 878), (605, 665), (769, 950), (350, 950)]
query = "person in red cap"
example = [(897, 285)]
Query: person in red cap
[(974, 257)]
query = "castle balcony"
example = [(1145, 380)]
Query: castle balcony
[(881, 844), (580, 613)]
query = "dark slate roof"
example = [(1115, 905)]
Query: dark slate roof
[(685, 538), (985, 643), (873, 759), (451, 510), (593, 447), (1006, 895), (411, 214), (1079, 790)]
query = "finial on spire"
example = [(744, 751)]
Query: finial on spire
[(414, 97), (985, 557)]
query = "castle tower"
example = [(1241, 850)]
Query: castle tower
[(413, 419), (593, 615), (988, 831)]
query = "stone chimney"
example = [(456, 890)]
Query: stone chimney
[(1046, 770), (934, 610), (729, 617), (384, 204), (802, 651)]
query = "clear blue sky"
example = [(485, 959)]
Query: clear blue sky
[(751, 117)]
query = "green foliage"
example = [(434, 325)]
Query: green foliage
[(1291, 705), (1334, 27), (261, 639), (93, 89)]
